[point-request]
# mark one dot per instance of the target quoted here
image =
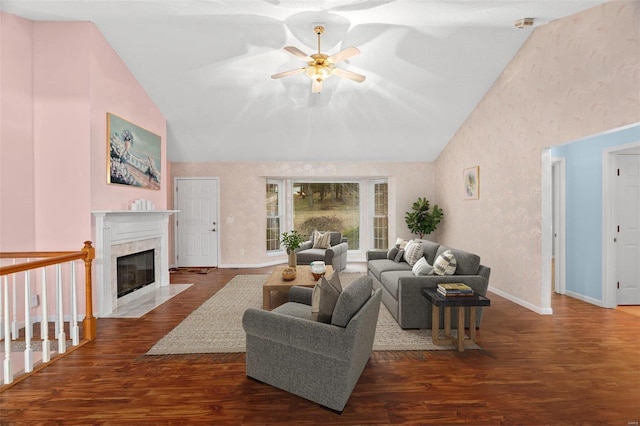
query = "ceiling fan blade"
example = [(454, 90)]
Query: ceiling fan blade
[(316, 87), (294, 50), (344, 54), (358, 78), (288, 73)]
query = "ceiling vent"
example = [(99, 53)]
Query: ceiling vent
[(524, 22)]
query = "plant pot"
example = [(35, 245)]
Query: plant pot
[(293, 259)]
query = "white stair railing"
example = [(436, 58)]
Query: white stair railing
[(22, 306)]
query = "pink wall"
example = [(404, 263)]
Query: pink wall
[(114, 89), (573, 77), (61, 108), (17, 199), (59, 81)]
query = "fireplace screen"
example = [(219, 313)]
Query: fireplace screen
[(135, 271)]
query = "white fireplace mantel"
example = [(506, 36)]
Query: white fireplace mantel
[(117, 227)]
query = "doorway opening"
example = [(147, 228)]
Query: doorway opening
[(590, 227)]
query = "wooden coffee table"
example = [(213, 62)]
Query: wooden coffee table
[(276, 283)]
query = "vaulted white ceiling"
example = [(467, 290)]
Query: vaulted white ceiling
[(207, 66)]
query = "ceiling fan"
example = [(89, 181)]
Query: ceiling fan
[(321, 66)]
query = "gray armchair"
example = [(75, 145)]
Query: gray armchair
[(336, 255), (320, 362)]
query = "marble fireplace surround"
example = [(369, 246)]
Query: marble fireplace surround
[(122, 232)]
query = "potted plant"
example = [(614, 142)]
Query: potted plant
[(291, 240), (423, 220)]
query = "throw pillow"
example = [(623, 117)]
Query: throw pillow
[(422, 267), (393, 252), (329, 292), (315, 299), (321, 240), (407, 247), (399, 256), (445, 264), (402, 243), (413, 252)]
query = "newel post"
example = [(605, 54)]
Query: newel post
[(89, 323)]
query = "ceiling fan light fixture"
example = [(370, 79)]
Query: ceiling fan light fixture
[(317, 72), (321, 66)]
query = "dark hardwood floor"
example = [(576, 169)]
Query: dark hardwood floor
[(579, 366)]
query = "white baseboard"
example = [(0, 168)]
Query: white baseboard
[(252, 265), (586, 298), (537, 309)]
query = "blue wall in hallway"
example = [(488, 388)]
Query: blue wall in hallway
[(584, 207)]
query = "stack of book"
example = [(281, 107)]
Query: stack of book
[(455, 289)]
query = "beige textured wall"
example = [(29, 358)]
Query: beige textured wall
[(242, 197), (573, 77)]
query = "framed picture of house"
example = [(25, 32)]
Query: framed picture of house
[(133, 154), (471, 180)]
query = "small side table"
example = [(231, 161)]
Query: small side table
[(447, 302)]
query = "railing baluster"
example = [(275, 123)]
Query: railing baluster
[(14, 300), (44, 321), (2, 311), (62, 338), (73, 324), (28, 330), (8, 372)]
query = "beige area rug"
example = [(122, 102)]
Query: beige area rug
[(216, 326)]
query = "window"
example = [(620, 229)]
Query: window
[(380, 219), (357, 209), (328, 206), (274, 214)]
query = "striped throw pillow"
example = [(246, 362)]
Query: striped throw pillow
[(445, 264), (321, 240), (413, 252)]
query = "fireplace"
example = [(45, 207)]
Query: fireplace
[(119, 234), (135, 271)]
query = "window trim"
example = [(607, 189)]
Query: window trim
[(366, 205), (281, 216), (373, 183)]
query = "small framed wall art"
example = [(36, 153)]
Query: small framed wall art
[(471, 179), (133, 154)]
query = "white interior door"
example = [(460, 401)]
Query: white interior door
[(197, 222), (628, 236)]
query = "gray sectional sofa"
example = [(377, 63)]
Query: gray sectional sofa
[(401, 288)]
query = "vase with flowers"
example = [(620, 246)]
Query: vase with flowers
[(292, 241)]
